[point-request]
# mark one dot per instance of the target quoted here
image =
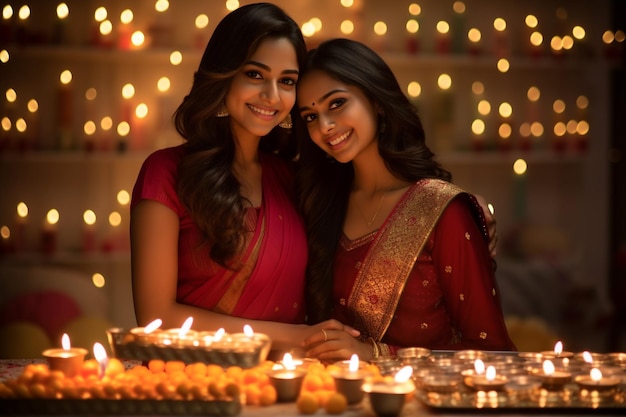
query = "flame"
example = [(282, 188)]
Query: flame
[(558, 348), (65, 342), (595, 374), (247, 330), (479, 366), (548, 367), (587, 357), (185, 327), (353, 366), (404, 374), (219, 334), (101, 356), (288, 362), (153, 325), (491, 373)]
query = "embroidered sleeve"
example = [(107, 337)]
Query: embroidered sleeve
[(463, 263)]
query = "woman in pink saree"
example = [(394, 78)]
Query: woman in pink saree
[(215, 233)]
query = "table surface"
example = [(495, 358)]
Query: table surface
[(12, 368)]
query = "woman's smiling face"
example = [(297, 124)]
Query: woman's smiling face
[(340, 119), (264, 91)]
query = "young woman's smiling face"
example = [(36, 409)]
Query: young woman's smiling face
[(264, 91), (339, 117)]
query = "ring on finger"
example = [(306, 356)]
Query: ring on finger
[(325, 335)]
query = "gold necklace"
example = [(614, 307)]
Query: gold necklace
[(380, 204)]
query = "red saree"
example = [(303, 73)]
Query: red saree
[(425, 278), (272, 285)]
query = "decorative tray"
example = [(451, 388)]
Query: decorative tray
[(246, 353), (119, 407)]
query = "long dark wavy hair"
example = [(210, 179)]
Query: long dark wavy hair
[(324, 184), (206, 184)]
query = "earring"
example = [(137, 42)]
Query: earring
[(222, 112), (287, 123)]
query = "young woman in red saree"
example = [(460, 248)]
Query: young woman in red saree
[(215, 233), (403, 251)]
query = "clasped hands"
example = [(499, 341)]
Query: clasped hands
[(332, 341)]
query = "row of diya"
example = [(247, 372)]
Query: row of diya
[(476, 379)]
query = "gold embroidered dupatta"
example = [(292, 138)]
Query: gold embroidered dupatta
[(381, 279)]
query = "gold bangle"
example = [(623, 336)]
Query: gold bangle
[(376, 352), (383, 349)]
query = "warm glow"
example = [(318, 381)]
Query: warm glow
[(531, 21), (558, 348), (106, 27), (4, 56), (559, 129), (347, 3), (583, 127), (123, 197), (505, 130), (100, 354), (533, 93), (62, 11), (558, 106), (595, 374), (490, 374), (582, 102), (536, 128), (414, 89), (152, 326), (161, 5), (100, 14), (65, 342), (123, 129), (478, 87), (443, 27), (141, 111), (415, 9), (23, 13), (503, 65), (474, 35), (524, 130), (5, 232), (219, 334), (608, 37), (353, 366), (11, 95), (412, 26), (478, 127), (176, 58), (185, 327), (89, 217), (6, 124), (247, 330), (520, 166), (484, 107), (22, 209), (536, 38), (568, 42), (347, 27), (288, 362), (106, 123), (128, 91), (380, 28), (163, 84), (444, 81), (587, 357), (89, 127), (98, 280), (202, 21), (126, 16), (548, 367), (53, 216), (404, 374), (571, 126), (479, 366), (458, 7), (137, 38), (317, 23), (505, 110), (578, 32), (308, 29), (66, 77), (115, 219), (620, 36), (20, 125), (232, 5), (556, 43), (7, 12), (499, 24)]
